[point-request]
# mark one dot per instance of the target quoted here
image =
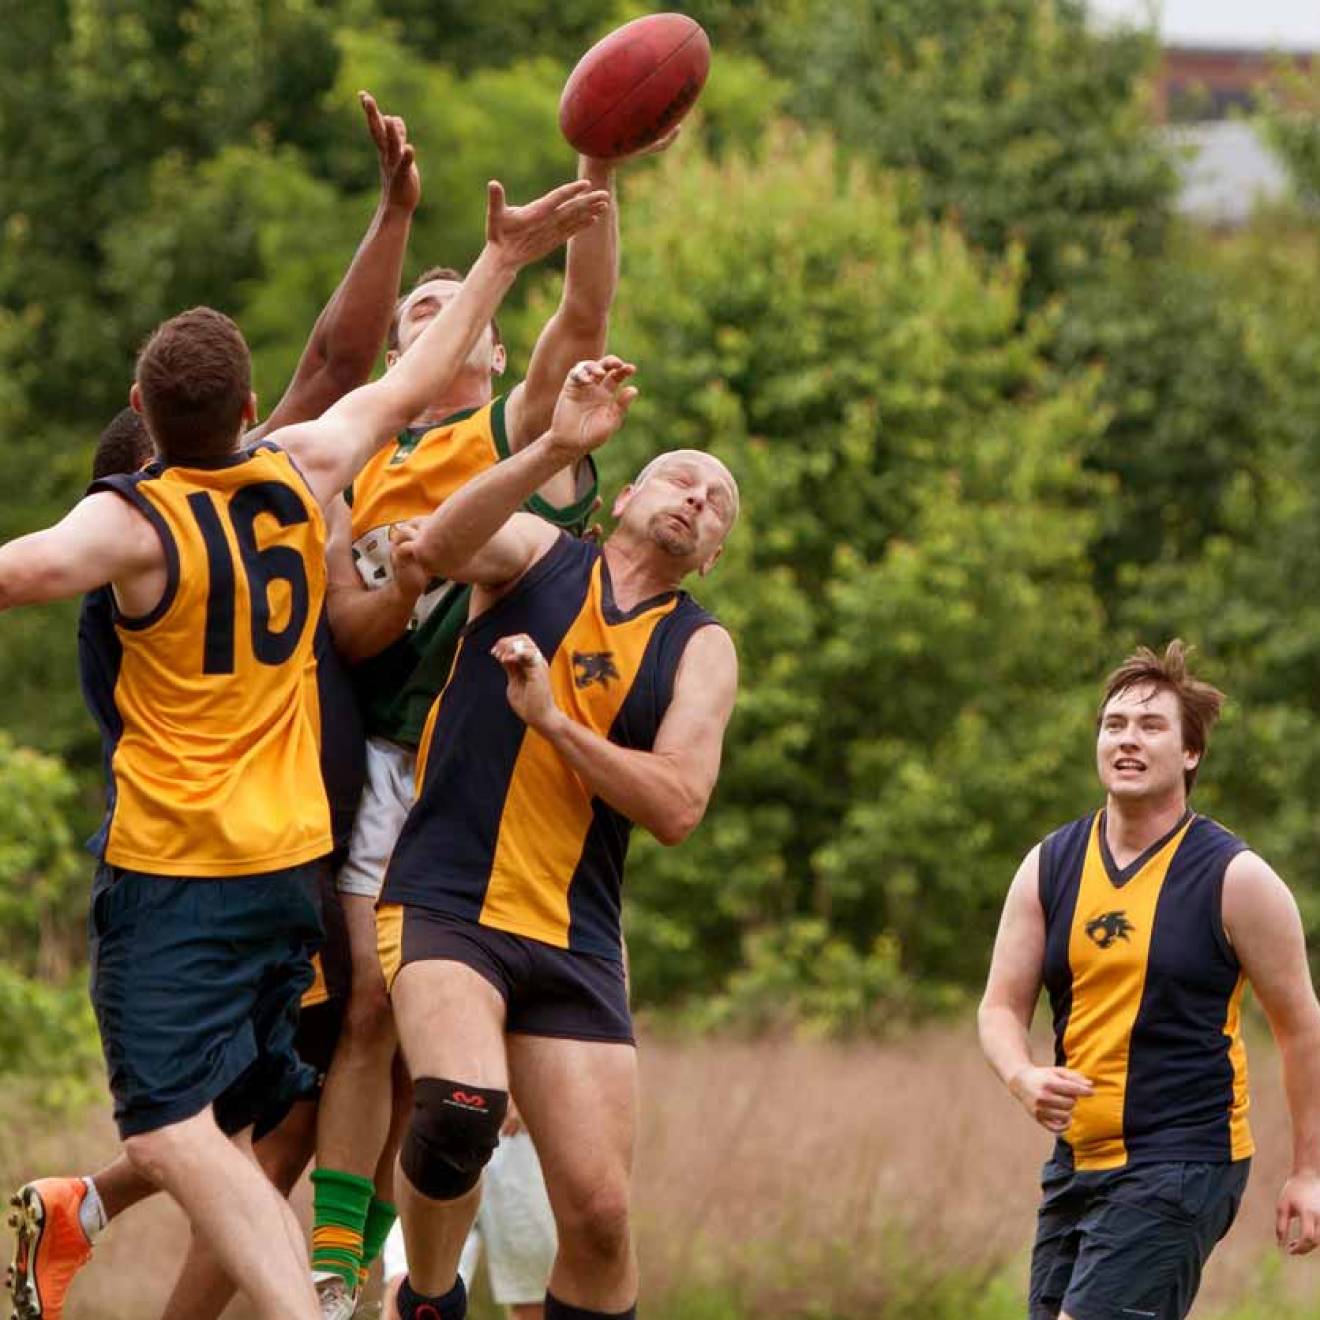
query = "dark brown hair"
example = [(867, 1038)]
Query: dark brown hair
[(195, 374), (1199, 704), (124, 446), (429, 274)]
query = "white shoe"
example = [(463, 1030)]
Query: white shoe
[(338, 1301)]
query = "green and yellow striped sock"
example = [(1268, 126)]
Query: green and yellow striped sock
[(380, 1219), (340, 1202)]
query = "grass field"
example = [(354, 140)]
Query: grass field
[(790, 1179)]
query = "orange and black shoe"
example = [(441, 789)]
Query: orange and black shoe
[(51, 1246)]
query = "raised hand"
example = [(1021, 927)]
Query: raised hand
[(1049, 1094), (522, 234), (400, 183), (592, 404)]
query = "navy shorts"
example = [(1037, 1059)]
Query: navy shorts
[(547, 991), (1120, 1244), (195, 983)]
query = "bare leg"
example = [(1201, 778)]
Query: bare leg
[(354, 1120), (579, 1100), (203, 1289), (451, 1023), (120, 1186), (528, 1311), (233, 1207)]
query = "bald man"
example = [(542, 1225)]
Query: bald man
[(590, 693)]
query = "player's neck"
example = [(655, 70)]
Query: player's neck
[(636, 575), (1133, 825), (470, 390)]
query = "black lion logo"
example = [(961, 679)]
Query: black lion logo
[(593, 667), (1112, 926)]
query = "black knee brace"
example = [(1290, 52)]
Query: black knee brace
[(454, 1131)]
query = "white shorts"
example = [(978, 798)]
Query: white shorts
[(514, 1225), (387, 797)]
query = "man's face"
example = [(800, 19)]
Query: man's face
[(424, 304), (1139, 750), (685, 506)]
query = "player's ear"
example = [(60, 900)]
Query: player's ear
[(391, 357), (250, 410), (621, 501), (499, 359), (135, 399)]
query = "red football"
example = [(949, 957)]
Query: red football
[(633, 86)]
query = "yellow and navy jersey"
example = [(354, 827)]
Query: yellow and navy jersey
[(1146, 994), (411, 479), (503, 832), (208, 704)]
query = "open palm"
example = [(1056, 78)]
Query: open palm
[(592, 404)]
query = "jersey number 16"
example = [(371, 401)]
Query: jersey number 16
[(277, 563)]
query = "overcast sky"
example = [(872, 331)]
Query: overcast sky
[(1290, 23)]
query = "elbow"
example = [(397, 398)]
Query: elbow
[(675, 824)]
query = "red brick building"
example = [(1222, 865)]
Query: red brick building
[(1200, 83)]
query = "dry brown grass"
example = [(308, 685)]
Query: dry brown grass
[(796, 1174)]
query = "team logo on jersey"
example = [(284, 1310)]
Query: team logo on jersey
[(593, 667), (1110, 927)]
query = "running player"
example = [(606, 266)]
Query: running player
[(1145, 921), (340, 353), (401, 629), (589, 693), (201, 914)]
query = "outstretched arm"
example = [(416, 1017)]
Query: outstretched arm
[(333, 448), (347, 336), (475, 536), (667, 789), (1012, 988), (101, 539), (1265, 929)]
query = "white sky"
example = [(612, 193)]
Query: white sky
[(1294, 24)]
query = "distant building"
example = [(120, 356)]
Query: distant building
[(1200, 84), (1203, 95)]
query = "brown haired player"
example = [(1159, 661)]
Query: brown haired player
[(1145, 922), (57, 1218), (399, 629), (201, 915)]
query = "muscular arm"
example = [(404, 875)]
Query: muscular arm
[(1011, 991), (347, 336), (1265, 929), (101, 539), (474, 536), (577, 330), (333, 448), (666, 790)]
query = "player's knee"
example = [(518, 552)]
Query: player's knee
[(595, 1223), (453, 1133), (150, 1154)]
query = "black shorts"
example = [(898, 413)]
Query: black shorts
[(1129, 1242), (196, 983), (546, 991)]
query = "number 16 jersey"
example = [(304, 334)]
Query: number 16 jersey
[(212, 744)]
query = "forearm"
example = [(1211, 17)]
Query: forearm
[(352, 328), (1005, 1040), (1300, 1048), (591, 270), (363, 623), (476, 511), (645, 787)]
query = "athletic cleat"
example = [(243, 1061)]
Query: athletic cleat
[(337, 1300), (50, 1246)]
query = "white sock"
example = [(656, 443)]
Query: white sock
[(91, 1214)]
